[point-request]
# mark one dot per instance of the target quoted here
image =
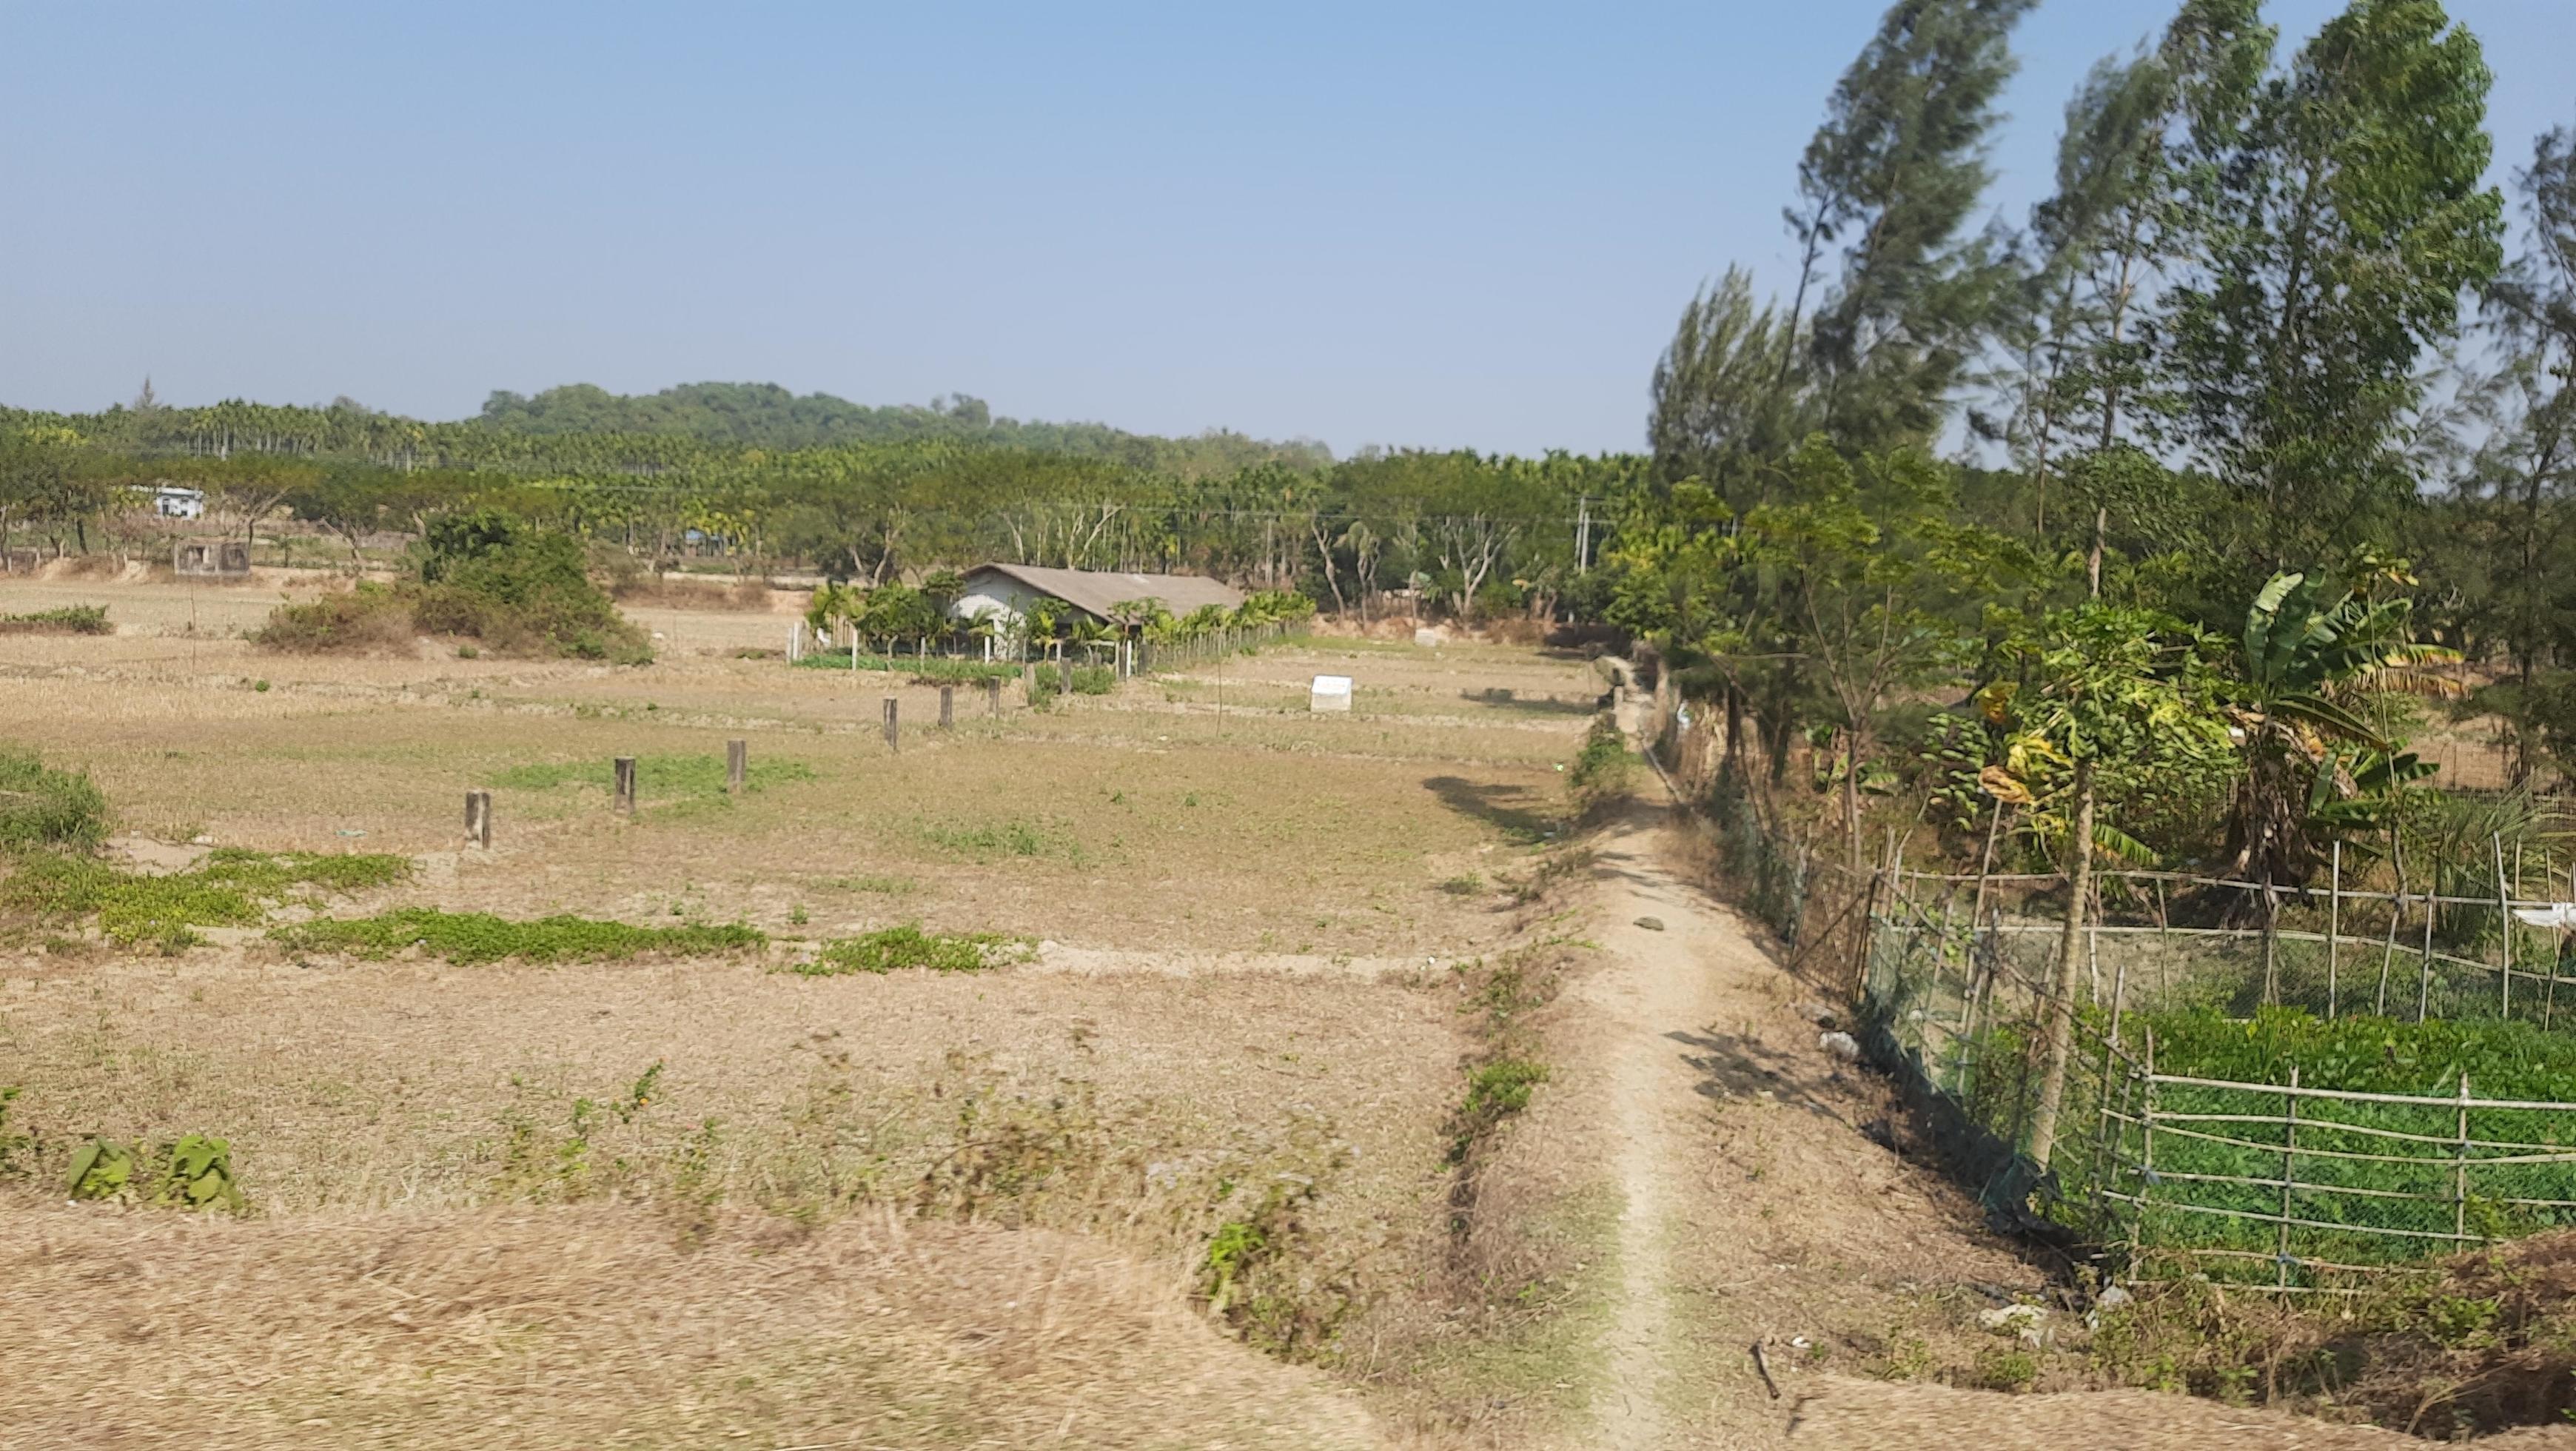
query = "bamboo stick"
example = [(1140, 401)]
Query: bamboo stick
[(2504, 917), (2334, 929), (2289, 1172)]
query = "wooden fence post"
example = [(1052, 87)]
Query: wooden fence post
[(478, 818), (893, 734), (948, 707), (624, 768), (737, 765), (1064, 675), (993, 696)]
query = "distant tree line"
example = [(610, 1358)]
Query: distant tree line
[(1458, 533)]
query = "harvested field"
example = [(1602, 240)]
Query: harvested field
[(603, 1327), (1328, 1037), (1237, 1023)]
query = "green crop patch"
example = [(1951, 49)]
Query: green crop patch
[(909, 946), (479, 937), (230, 888), (69, 620)]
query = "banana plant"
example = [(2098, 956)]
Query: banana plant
[(2315, 718)]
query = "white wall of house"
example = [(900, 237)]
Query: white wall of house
[(995, 594)]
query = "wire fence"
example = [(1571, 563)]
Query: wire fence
[(2194, 1137), (2170, 1167)]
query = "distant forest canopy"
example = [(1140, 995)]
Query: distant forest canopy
[(765, 415), (642, 430)]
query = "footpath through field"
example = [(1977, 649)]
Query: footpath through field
[(1760, 1204)]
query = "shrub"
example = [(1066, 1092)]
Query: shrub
[(372, 619), (194, 1173), (520, 591), (479, 937), (1094, 680), (42, 807), (69, 620), (909, 946), (1599, 775)]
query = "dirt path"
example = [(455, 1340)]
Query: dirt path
[(1755, 1204), (1653, 989)]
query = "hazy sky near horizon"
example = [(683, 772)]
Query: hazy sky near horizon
[(1384, 223)]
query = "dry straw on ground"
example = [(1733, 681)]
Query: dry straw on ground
[(599, 1327)]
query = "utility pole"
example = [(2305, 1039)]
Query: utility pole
[(1583, 535)]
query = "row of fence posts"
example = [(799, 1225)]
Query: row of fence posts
[(623, 775)]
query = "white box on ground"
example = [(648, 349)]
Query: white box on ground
[(1331, 692)]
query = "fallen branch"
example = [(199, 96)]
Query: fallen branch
[(1762, 1368)]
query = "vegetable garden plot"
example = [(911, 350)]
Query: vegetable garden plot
[(2213, 1122)]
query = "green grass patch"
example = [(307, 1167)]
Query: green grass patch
[(478, 937), (42, 807), (1012, 840), (659, 780), (69, 620), (909, 946), (887, 886), (230, 888), (930, 670)]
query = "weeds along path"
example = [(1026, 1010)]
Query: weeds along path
[(1755, 1204)]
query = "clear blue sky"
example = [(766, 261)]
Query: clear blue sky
[(1465, 225)]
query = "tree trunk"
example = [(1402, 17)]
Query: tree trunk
[(2093, 560), (1734, 729), (2060, 1006), (1851, 799)]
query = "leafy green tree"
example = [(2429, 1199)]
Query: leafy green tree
[(2106, 685), (1874, 579)]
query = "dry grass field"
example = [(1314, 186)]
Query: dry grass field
[(1307, 1081), (1238, 1014)]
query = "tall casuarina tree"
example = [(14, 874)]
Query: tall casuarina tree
[(1887, 186), (2325, 242)]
